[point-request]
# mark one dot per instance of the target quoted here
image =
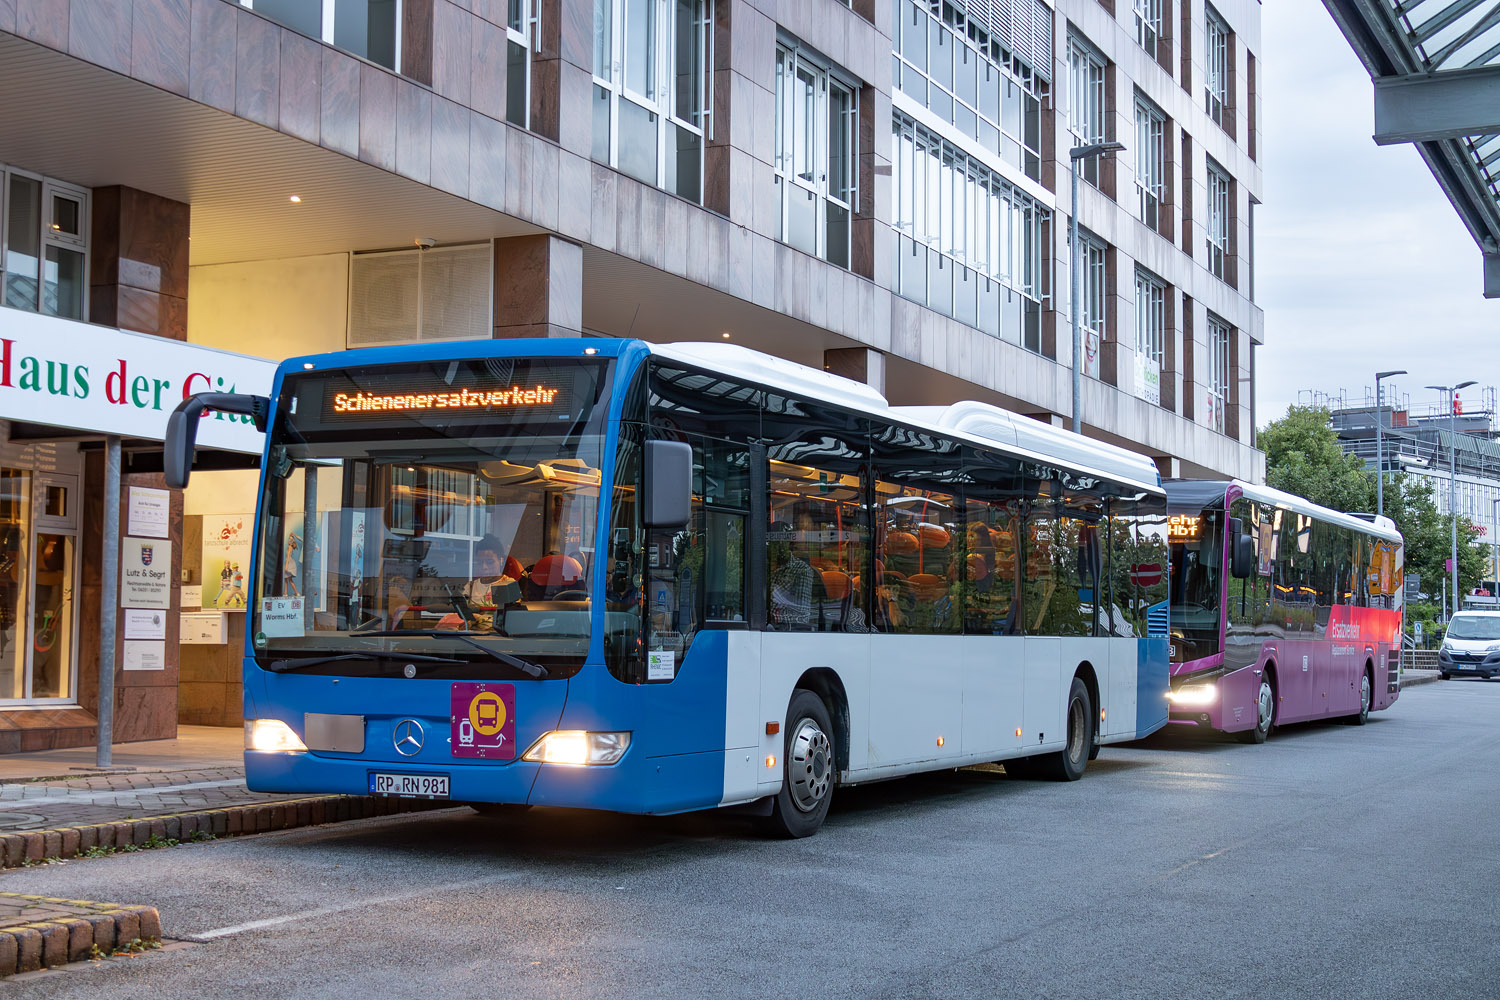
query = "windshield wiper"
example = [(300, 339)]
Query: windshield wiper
[(525, 666), (284, 666)]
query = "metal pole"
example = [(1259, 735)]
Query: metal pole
[(1073, 303), (1453, 491), (1379, 451), (109, 599), (1495, 545)]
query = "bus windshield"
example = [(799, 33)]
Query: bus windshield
[(1197, 557), (456, 504)]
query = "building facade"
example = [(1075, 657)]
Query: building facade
[(876, 187)]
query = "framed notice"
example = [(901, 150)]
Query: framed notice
[(145, 655), (145, 573), (144, 623)]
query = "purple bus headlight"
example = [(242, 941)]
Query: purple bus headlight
[(1194, 694), (573, 746)]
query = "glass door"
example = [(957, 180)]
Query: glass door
[(54, 576), (15, 527)]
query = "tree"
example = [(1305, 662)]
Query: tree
[(1303, 457)]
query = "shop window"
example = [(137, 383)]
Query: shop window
[(370, 29), (44, 230), (38, 587), (401, 296)]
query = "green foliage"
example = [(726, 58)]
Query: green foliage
[(1303, 457)]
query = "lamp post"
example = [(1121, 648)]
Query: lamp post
[(1379, 451), (1495, 547), (1451, 391), (1077, 155)]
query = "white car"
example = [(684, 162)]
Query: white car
[(1471, 646)]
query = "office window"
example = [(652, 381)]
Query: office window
[(370, 29), (1150, 162), (653, 90), (1094, 297), (44, 237), (1216, 56), (968, 243), (1217, 229), (1219, 333), (1148, 25), (817, 126), (404, 296), (1150, 334), (963, 71), (1088, 104)]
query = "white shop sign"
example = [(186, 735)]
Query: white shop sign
[(145, 573), (1148, 379), (96, 378)]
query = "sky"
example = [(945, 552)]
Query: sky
[(1362, 265)]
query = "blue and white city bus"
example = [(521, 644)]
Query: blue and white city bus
[(655, 578)]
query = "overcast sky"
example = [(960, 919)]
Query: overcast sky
[(1363, 266)]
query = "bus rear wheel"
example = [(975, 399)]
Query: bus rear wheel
[(1068, 763), (1265, 712), (808, 769)]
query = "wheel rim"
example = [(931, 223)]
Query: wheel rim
[(809, 766), (1076, 730), (1364, 695), (1267, 705)]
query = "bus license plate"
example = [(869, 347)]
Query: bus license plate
[(410, 786)]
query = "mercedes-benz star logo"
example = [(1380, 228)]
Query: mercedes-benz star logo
[(408, 737)]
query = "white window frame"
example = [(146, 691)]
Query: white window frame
[(662, 76), (792, 62), (523, 28), (1216, 232), (49, 237), (1219, 333), (1148, 25), (1092, 255), (1216, 35), (326, 19), (1150, 316), (1150, 161), (1087, 99), (415, 337)]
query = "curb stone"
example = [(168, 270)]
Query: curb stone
[(34, 846), (44, 932)]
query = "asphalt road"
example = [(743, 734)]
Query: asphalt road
[(1331, 862)]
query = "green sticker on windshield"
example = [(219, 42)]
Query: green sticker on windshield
[(260, 639)]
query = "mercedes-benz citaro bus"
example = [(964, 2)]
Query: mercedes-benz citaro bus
[(1306, 622), (655, 578)]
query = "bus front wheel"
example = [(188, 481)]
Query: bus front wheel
[(1265, 711), (808, 769), (1366, 693), (1068, 763)]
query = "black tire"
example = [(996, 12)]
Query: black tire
[(808, 769), (499, 810), (1068, 764), (1442, 675), (1265, 711), (1366, 697)]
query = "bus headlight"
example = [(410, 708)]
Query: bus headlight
[(1194, 694), (573, 746), (271, 734)]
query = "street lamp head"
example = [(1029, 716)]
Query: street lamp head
[(1095, 149), (1381, 375), (1464, 385)]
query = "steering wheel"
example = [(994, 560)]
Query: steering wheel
[(570, 595)]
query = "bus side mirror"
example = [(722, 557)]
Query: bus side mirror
[(1242, 551), (182, 428), (669, 484)]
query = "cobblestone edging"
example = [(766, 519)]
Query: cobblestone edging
[(34, 846), (39, 932)]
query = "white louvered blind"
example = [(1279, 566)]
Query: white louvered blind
[(403, 296)]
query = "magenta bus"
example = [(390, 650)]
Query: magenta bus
[(1280, 610)]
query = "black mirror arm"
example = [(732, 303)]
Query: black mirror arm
[(182, 427)]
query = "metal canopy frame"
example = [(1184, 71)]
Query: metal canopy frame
[(1436, 69)]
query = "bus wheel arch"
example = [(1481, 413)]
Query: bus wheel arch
[(1068, 764), (1085, 672), (827, 685), (1265, 706), (1366, 695)]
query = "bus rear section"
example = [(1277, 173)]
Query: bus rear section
[(1282, 611)]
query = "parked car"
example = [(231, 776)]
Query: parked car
[(1471, 646)]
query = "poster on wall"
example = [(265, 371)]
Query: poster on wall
[(226, 560), (295, 553), (147, 512)]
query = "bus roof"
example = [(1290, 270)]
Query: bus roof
[(1200, 493), (978, 423)]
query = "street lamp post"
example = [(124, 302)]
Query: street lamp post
[(1451, 391), (1077, 155), (1379, 451), (1495, 547)]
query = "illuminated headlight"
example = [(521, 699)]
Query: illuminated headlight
[(573, 746), (271, 734), (1194, 694)]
